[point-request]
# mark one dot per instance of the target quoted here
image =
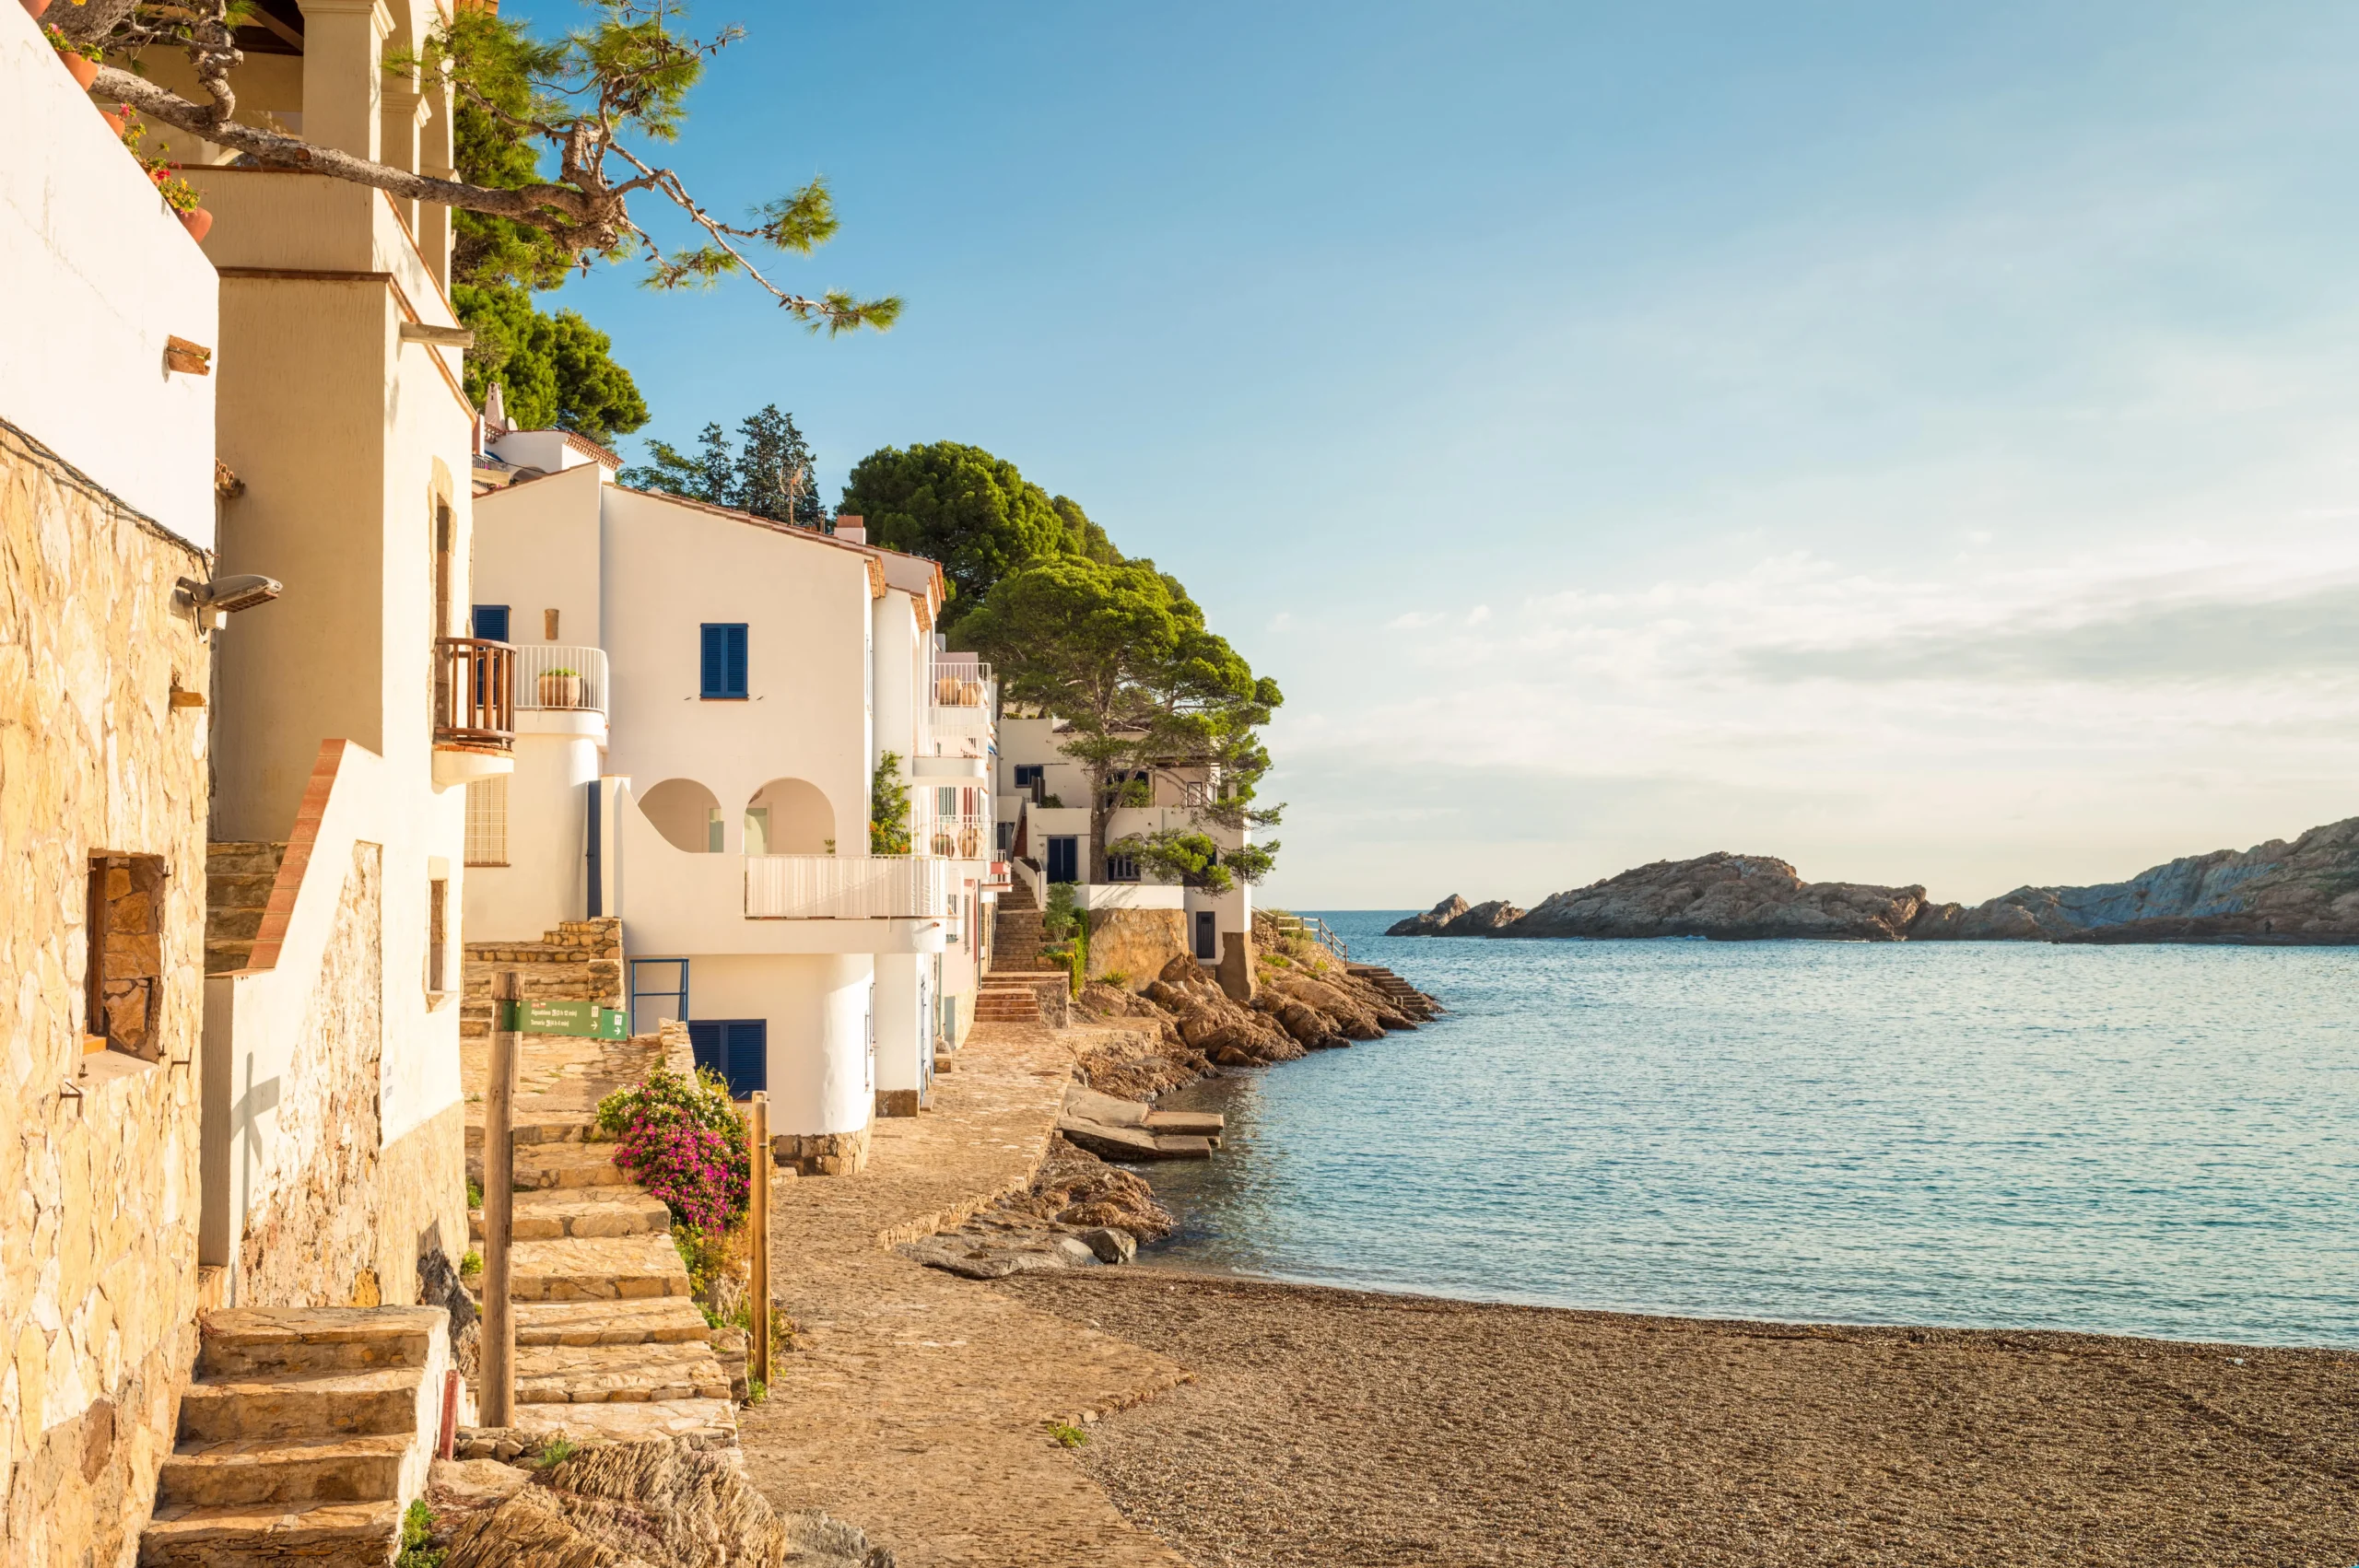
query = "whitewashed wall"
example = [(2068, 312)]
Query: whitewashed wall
[(97, 273)]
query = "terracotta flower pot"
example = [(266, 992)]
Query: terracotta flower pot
[(117, 120), (33, 9), (198, 222), (560, 691), (84, 71)]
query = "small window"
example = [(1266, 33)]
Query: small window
[(737, 1049), (723, 660), (438, 935), (491, 622), (488, 822), (123, 983), (1030, 773), (1006, 836), (1121, 868)]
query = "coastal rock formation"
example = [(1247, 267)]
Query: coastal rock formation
[(2305, 892), (1452, 916)]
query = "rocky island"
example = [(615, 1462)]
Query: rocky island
[(2306, 892)]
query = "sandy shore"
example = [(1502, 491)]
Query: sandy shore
[(1329, 1427)]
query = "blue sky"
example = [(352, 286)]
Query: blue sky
[(1914, 441)]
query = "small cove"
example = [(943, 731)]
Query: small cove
[(2152, 1140)]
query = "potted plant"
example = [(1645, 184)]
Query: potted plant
[(80, 60), (178, 193), (560, 688)]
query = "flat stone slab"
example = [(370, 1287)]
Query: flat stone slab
[(560, 1165), (598, 1375), (1090, 1105), (209, 1535), (1186, 1124), (1131, 1142), (240, 1341), (283, 1473), (651, 1321), (627, 1267), (586, 1211), (652, 1418)]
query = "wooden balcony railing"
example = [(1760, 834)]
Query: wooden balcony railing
[(475, 692)]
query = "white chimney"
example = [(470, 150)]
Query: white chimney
[(854, 529)]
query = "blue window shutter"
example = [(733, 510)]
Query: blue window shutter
[(737, 686), (704, 1043), (715, 677), (749, 1059), (491, 622)]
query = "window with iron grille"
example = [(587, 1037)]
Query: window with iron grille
[(488, 822)]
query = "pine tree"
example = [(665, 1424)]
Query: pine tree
[(776, 476)]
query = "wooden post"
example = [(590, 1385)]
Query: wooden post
[(758, 1217), (498, 1380)]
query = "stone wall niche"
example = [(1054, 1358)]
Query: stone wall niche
[(122, 990)]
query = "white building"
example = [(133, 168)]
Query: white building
[(702, 699), (1043, 811)]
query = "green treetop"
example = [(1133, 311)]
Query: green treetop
[(771, 475), (1120, 653), (972, 512)]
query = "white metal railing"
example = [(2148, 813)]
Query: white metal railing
[(952, 821), (963, 701), (845, 887), (550, 675)]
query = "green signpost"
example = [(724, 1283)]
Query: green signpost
[(583, 1018)]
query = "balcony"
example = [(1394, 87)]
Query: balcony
[(964, 699), (845, 887), (555, 678), (475, 716), (951, 822)]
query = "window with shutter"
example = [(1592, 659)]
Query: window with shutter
[(721, 662), (737, 1049)]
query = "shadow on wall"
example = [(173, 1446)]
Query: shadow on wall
[(686, 814), (789, 816)]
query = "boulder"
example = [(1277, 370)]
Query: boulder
[(1110, 1245), (1484, 919)]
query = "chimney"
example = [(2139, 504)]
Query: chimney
[(854, 529)]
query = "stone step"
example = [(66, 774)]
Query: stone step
[(581, 1212), (652, 1320), (629, 1268), (244, 1472), (331, 1535), (1188, 1124), (541, 1134), (598, 1375), (226, 857), (266, 1341), (629, 1419), (559, 1165), (224, 892), (283, 1405), (1003, 1007)]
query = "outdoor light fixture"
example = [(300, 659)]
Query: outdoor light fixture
[(224, 596)]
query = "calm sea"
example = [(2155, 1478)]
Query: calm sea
[(2152, 1140)]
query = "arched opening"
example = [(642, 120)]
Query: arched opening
[(789, 816), (686, 814)]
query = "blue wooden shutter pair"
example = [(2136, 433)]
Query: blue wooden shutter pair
[(723, 672), (737, 1049), (491, 622)]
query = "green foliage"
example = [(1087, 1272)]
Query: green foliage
[(889, 808), (418, 1532), (1066, 925), (471, 1264), (705, 1255), (756, 1390), (1067, 1435), (971, 511), (552, 370), (1123, 655), (475, 1193), (773, 475), (555, 1452)]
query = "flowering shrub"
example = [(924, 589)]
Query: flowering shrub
[(680, 1138)]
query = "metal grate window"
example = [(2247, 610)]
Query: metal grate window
[(488, 822)]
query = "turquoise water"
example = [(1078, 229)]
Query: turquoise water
[(2150, 1141)]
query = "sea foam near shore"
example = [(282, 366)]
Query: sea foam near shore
[(2146, 1141)]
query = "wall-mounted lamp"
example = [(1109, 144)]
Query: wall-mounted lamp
[(224, 596)]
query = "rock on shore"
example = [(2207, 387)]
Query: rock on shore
[(2305, 892)]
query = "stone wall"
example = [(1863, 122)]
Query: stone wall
[(98, 1286), (312, 1222), (1135, 943), (821, 1153), (580, 961)]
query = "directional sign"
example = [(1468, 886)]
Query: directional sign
[(584, 1018)]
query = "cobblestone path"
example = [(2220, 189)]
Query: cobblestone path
[(915, 1404)]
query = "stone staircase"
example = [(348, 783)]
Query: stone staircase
[(608, 1342), (237, 879), (580, 961), (1392, 985), (306, 1433), (1010, 990)]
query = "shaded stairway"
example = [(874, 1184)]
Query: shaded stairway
[(237, 880), (306, 1431), (1010, 988)]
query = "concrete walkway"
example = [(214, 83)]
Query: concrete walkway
[(914, 1403)]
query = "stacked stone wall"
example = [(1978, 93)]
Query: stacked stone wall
[(99, 1279), (312, 1221), (580, 961), (1135, 943)]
